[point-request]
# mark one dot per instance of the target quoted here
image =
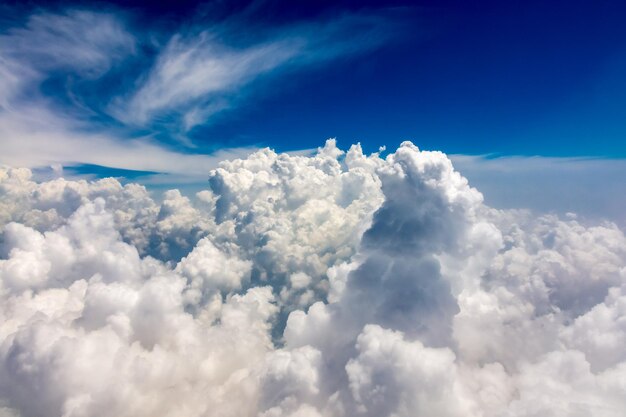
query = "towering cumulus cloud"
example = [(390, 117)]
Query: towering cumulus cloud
[(333, 285)]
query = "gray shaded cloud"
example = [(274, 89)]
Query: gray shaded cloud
[(336, 284)]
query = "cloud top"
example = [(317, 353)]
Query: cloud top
[(337, 284)]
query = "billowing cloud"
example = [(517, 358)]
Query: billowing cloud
[(337, 284)]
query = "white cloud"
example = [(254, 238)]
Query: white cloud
[(113, 328), (328, 284), (198, 75), (405, 295), (189, 70), (39, 133), (80, 40), (41, 139), (193, 76), (392, 376), (207, 268)]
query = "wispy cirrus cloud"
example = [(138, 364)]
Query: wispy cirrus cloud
[(80, 43), (155, 97), (190, 73), (36, 131), (198, 75), (77, 40)]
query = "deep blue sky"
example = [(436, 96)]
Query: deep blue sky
[(514, 77), (506, 78)]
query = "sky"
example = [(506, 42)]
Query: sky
[(164, 92), (506, 78), (312, 209)]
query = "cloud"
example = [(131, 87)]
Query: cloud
[(97, 300), (66, 73), (40, 133), (188, 71), (77, 40), (199, 74), (390, 375), (328, 283), (294, 224), (39, 138), (334, 284)]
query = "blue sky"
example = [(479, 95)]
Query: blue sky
[(522, 78), (170, 89), (514, 79)]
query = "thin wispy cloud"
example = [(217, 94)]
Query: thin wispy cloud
[(188, 73), (196, 76), (181, 84), (41, 138), (83, 41)]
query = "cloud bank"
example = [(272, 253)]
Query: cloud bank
[(590, 188), (338, 284)]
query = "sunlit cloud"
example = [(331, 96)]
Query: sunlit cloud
[(324, 282), (326, 285)]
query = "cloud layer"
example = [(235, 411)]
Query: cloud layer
[(337, 284)]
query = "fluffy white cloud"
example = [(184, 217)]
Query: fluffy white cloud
[(329, 285), (90, 328)]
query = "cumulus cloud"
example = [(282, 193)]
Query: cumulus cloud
[(336, 284)]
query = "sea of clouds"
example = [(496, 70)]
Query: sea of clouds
[(338, 284)]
